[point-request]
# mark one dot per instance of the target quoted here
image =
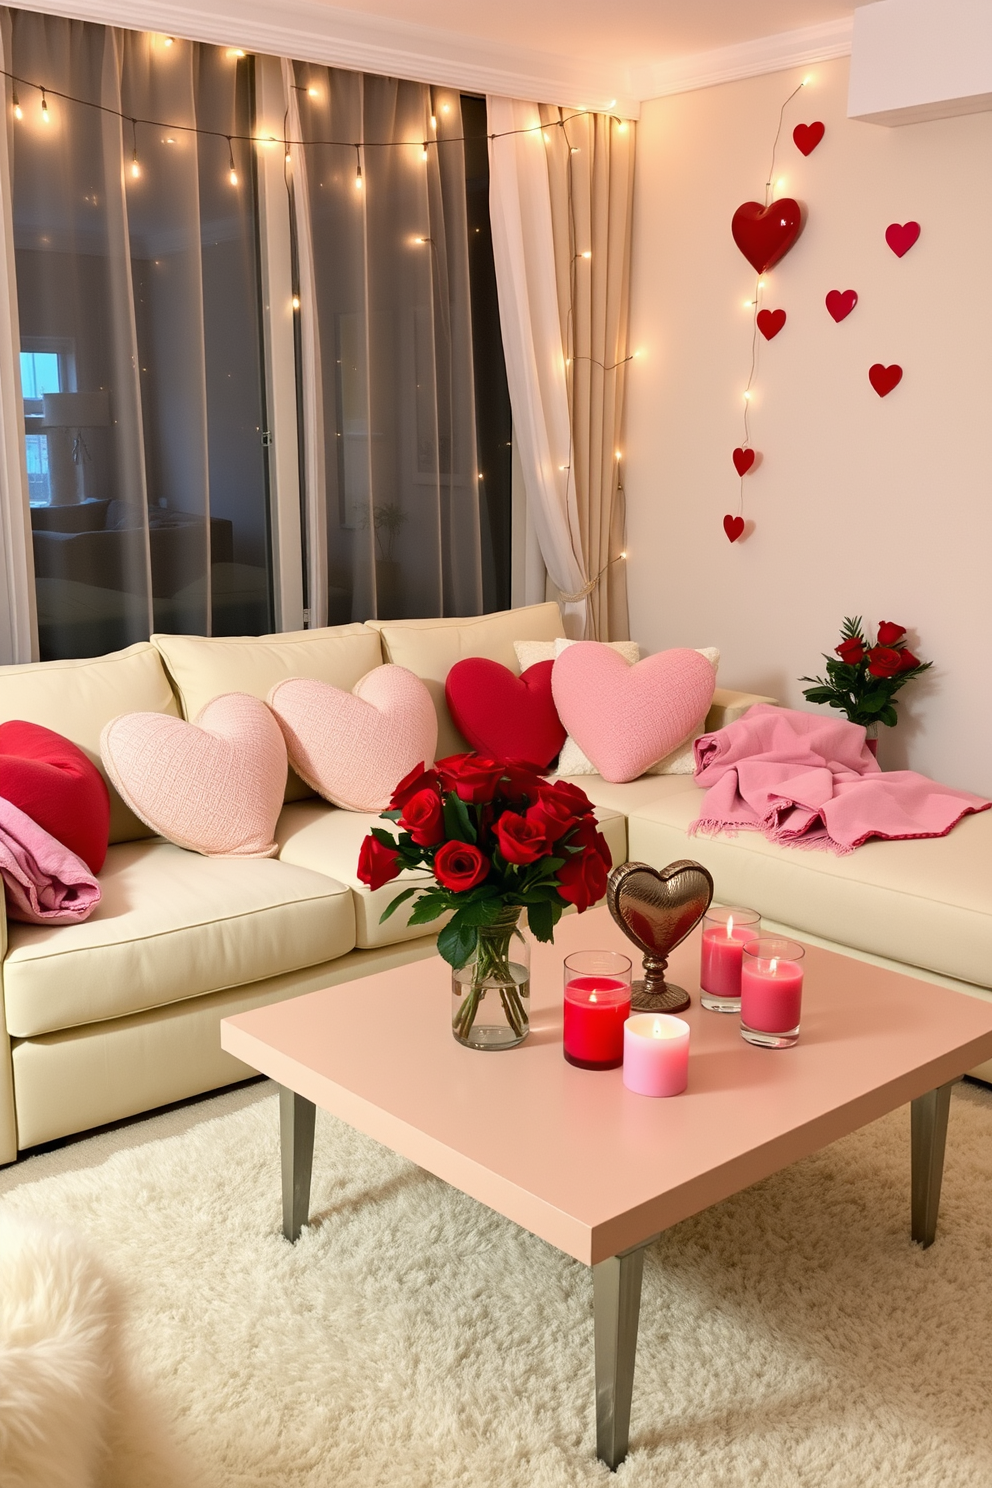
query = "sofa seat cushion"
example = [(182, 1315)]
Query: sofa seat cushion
[(326, 840), (630, 795), (926, 902), (172, 925)]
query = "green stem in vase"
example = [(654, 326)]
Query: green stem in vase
[(492, 964)]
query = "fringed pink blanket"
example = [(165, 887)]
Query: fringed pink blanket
[(44, 883), (809, 781)]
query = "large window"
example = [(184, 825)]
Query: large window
[(148, 309)]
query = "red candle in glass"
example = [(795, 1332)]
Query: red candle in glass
[(597, 1005)]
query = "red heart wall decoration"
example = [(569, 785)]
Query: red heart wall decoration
[(883, 379), (770, 322), (733, 527), (765, 234), (840, 303), (901, 236), (743, 460), (808, 136)]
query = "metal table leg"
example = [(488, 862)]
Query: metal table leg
[(928, 1125), (296, 1123), (616, 1290)]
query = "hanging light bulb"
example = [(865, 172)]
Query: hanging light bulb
[(135, 167), (423, 154), (168, 40), (46, 117), (358, 167), (296, 302), (232, 172), (18, 111)]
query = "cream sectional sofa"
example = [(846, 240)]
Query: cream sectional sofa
[(120, 1014)]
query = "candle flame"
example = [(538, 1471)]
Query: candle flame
[(773, 968), (592, 997), (730, 927), (657, 1031)]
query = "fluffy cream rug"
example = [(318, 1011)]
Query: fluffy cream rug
[(413, 1339)]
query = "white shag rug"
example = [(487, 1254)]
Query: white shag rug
[(414, 1339)]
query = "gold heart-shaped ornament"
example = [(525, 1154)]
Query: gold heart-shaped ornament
[(657, 909)]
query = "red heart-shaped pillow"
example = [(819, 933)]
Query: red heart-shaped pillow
[(53, 782), (503, 716)]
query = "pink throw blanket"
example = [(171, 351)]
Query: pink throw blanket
[(809, 781), (44, 883)]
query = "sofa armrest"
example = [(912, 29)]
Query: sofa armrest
[(8, 1118), (728, 706)]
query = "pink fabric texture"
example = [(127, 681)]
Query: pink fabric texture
[(626, 718), (354, 748), (44, 883), (809, 781), (214, 786)]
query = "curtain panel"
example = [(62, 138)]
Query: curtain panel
[(392, 481), (137, 295), (561, 201)]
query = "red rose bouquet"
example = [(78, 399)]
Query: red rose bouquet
[(497, 838), (864, 681)]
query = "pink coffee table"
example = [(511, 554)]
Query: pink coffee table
[(576, 1158)]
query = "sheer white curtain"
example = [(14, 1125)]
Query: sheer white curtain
[(137, 302), (561, 201), (392, 500)]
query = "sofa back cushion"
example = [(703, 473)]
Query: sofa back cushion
[(431, 647), (203, 667), (78, 698)]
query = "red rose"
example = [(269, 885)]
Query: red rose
[(520, 781), (459, 866), (473, 778), (423, 818), (558, 808), (908, 660), (883, 661), (564, 790), (889, 633), (587, 835), (851, 651), (521, 839), (377, 864), (582, 880), (418, 780)]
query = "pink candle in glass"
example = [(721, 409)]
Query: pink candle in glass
[(725, 933), (771, 992), (656, 1054)]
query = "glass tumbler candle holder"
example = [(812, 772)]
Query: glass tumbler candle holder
[(597, 1004), (726, 931), (771, 992)]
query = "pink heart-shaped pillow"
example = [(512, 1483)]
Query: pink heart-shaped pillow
[(354, 748), (215, 785), (626, 718)]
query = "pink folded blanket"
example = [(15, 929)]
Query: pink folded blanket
[(809, 781), (44, 883)]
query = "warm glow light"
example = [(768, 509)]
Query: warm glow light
[(423, 153), (446, 108), (296, 302), (233, 177), (624, 553), (433, 121), (313, 92), (135, 169), (45, 116), (780, 184), (622, 127), (547, 137), (807, 80), (618, 455), (289, 158), (730, 927), (762, 283), (170, 139), (747, 397), (235, 52), (773, 966), (358, 179), (587, 254), (18, 111), (168, 41), (574, 150)]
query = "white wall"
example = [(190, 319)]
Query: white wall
[(861, 505)]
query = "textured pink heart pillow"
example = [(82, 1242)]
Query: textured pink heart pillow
[(627, 717), (215, 785), (354, 748)]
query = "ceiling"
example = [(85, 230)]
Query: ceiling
[(630, 32)]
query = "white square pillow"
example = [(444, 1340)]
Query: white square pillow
[(572, 761)]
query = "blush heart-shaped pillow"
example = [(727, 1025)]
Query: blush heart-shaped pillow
[(503, 716), (627, 717), (215, 785), (51, 780), (354, 748)]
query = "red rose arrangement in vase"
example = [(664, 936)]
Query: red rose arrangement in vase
[(497, 839), (864, 681)]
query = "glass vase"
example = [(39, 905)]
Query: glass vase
[(490, 994)]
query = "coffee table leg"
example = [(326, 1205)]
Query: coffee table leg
[(616, 1293), (296, 1123), (928, 1125)]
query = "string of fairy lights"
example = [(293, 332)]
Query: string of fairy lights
[(136, 169)]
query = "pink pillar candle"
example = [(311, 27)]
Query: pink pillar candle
[(656, 1054), (725, 933), (772, 992)]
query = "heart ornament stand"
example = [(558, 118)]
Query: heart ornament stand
[(657, 909)]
